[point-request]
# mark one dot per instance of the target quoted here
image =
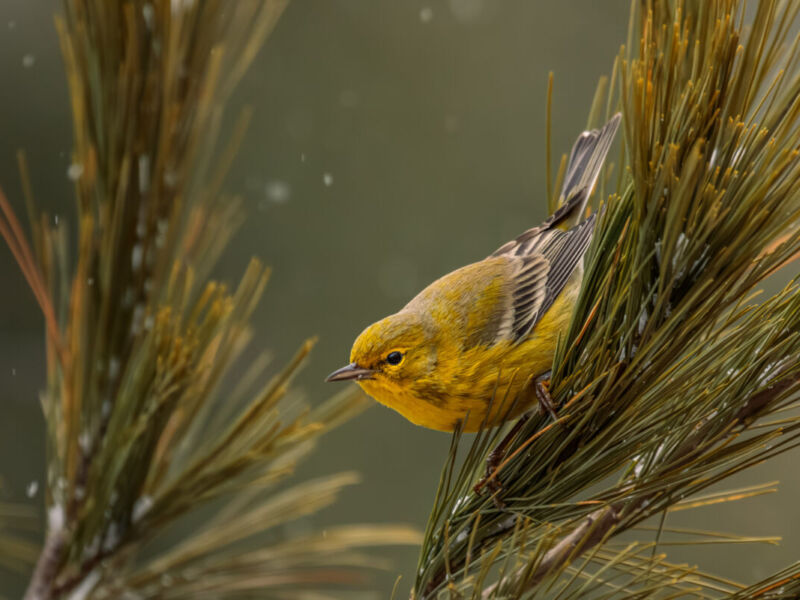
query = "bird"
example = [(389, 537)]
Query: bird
[(472, 348)]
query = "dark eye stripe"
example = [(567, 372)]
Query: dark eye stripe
[(394, 358)]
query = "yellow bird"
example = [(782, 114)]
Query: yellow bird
[(472, 345)]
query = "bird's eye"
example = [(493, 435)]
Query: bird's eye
[(394, 358)]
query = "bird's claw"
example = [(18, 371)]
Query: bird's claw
[(490, 480), (545, 401)]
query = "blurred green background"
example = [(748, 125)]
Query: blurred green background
[(392, 142)]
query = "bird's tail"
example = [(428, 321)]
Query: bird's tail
[(585, 163)]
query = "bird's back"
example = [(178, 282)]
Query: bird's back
[(473, 299)]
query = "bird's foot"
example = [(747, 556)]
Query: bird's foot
[(546, 403), (494, 461), (490, 479)]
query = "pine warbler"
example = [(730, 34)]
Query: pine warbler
[(469, 347)]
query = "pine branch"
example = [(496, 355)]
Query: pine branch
[(600, 524), (142, 431)]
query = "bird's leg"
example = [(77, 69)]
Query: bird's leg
[(498, 453), (493, 460), (543, 396)]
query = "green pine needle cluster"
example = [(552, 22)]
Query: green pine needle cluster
[(165, 476), (673, 375)]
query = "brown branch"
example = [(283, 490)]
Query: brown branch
[(756, 402), (40, 586), (592, 531)]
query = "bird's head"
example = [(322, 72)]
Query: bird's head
[(390, 356)]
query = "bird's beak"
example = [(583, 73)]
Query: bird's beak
[(351, 371)]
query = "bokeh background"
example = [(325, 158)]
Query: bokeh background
[(392, 142)]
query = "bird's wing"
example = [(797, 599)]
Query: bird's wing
[(543, 260), (529, 290), (544, 257)]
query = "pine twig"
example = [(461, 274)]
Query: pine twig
[(598, 525)]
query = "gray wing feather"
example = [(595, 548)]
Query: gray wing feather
[(564, 258), (545, 262), (529, 293), (583, 168)]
